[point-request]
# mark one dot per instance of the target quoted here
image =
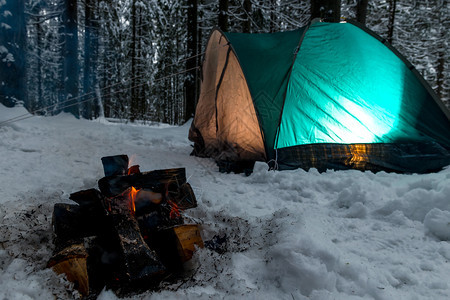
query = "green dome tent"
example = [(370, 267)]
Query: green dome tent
[(326, 96)]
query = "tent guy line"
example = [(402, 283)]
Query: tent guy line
[(27, 116), (52, 106)]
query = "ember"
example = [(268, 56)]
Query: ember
[(130, 234)]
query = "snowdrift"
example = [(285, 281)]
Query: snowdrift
[(290, 234)]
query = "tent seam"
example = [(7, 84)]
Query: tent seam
[(251, 96), (275, 144), (219, 84)]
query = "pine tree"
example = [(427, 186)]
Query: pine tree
[(135, 101), (361, 11), (71, 67), (88, 61), (391, 24), (190, 84), (140, 71), (222, 20), (113, 62), (13, 40), (329, 10), (247, 23)]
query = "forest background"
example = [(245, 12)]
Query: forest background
[(139, 60)]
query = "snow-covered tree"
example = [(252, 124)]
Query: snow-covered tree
[(138, 59), (419, 30), (12, 52)]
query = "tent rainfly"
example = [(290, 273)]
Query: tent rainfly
[(326, 96)]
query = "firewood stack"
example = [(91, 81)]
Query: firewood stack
[(130, 235)]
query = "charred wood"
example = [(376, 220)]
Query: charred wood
[(103, 262), (159, 181), (91, 201), (128, 235), (147, 201), (138, 260), (115, 165), (71, 224), (176, 245), (185, 198), (134, 170)]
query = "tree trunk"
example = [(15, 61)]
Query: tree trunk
[(71, 68), (190, 83), (223, 15), (361, 11), (12, 62), (273, 16), (21, 41), (87, 84), (137, 105), (95, 86), (134, 100), (247, 23), (39, 34), (393, 7), (140, 71), (440, 75), (327, 10), (61, 69), (440, 69)]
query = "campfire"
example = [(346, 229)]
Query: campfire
[(130, 234)]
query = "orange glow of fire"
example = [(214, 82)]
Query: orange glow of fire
[(133, 195), (129, 171), (174, 211), (133, 168)]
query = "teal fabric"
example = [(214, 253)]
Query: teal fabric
[(266, 60), (347, 87)]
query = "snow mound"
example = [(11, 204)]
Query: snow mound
[(437, 222)]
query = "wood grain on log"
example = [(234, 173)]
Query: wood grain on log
[(71, 261)]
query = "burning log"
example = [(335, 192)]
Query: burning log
[(158, 181), (91, 200), (72, 262), (176, 244), (186, 238), (71, 224), (147, 201), (136, 225), (115, 165), (134, 170), (185, 197), (139, 261)]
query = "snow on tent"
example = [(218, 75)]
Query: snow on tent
[(326, 96)]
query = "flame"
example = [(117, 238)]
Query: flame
[(133, 195)]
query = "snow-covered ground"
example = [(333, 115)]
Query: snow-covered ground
[(291, 234)]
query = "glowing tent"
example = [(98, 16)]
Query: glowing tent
[(327, 96)]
